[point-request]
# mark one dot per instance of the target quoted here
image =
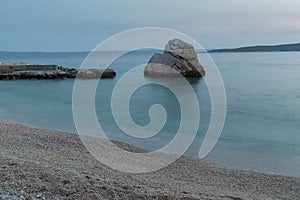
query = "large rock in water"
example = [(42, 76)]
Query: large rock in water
[(179, 58)]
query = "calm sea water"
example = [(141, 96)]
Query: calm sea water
[(262, 129)]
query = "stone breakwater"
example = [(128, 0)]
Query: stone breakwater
[(15, 71)]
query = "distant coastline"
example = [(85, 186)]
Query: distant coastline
[(256, 48), (261, 48)]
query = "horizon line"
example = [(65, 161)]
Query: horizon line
[(207, 49)]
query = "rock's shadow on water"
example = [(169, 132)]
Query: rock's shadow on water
[(194, 81)]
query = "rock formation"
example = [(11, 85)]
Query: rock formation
[(14, 71), (178, 58), (95, 73)]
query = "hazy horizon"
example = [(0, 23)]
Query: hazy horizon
[(87, 51)]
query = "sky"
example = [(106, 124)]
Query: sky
[(77, 25)]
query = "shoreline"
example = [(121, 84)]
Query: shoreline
[(42, 164), (210, 161)]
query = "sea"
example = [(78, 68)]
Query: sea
[(262, 126)]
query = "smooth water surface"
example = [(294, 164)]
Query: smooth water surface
[(262, 129)]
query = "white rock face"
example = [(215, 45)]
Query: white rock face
[(179, 58), (181, 48)]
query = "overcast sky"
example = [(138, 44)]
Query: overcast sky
[(76, 25)]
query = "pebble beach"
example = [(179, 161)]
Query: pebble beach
[(47, 164)]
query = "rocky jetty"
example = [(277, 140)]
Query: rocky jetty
[(15, 71), (178, 58)]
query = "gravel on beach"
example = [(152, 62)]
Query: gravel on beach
[(46, 164)]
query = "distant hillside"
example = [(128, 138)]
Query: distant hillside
[(266, 48)]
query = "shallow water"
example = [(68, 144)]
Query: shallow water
[(262, 129)]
